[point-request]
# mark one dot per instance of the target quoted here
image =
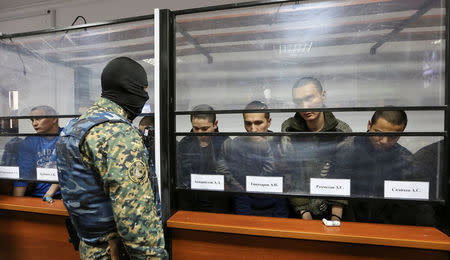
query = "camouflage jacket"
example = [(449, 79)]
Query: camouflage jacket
[(117, 153)]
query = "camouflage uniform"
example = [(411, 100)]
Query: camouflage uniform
[(117, 153)]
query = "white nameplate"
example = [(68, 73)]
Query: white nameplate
[(334, 187), (47, 174), (9, 172), (406, 189), (207, 182), (264, 184)]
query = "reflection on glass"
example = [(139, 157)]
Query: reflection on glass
[(428, 165), (258, 53), (10, 146), (10, 154), (62, 69)]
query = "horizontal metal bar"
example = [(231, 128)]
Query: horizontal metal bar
[(313, 134), (331, 109), (277, 134), (57, 116), (228, 6), (78, 27)]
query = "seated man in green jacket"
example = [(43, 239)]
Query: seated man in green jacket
[(311, 157)]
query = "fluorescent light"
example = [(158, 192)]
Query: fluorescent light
[(13, 100)]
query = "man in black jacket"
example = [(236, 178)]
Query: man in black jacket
[(369, 161), (198, 155)]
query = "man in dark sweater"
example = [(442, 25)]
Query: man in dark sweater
[(253, 156), (311, 157), (198, 155), (369, 161)]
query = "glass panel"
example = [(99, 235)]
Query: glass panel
[(57, 74), (260, 53), (63, 69), (330, 166)]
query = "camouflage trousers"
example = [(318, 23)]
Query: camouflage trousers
[(101, 252), (94, 252)]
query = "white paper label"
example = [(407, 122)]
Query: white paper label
[(334, 187), (207, 182), (47, 174), (406, 189), (264, 184), (9, 172)]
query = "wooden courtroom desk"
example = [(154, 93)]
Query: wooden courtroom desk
[(200, 235), (33, 229)]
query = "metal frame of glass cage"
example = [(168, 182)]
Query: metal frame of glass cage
[(168, 98), (171, 144)]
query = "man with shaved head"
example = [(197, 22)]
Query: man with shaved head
[(311, 156)]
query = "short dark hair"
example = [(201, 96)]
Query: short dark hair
[(147, 121), (211, 117), (396, 117), (258, 105), (308, 80), (48, 110)]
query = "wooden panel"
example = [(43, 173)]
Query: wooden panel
[(35, 205), (26, 235), (189, 244), (348, 232)]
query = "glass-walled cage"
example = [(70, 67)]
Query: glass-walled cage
[(51, 76), (311, 101)]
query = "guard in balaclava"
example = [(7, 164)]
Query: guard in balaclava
[(103, 171)]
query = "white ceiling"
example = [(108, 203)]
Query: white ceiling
[(14, 4), (18, 5)]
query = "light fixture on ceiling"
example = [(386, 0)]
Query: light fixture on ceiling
[(13, 100)]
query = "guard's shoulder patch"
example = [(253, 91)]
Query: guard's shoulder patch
[(137, 172)]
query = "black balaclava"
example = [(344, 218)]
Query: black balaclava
[(123, 82)]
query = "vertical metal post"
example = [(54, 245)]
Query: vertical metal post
[(445, 178), (157, 101), (165, 144)]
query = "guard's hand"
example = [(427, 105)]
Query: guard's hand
[(113, 249)]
